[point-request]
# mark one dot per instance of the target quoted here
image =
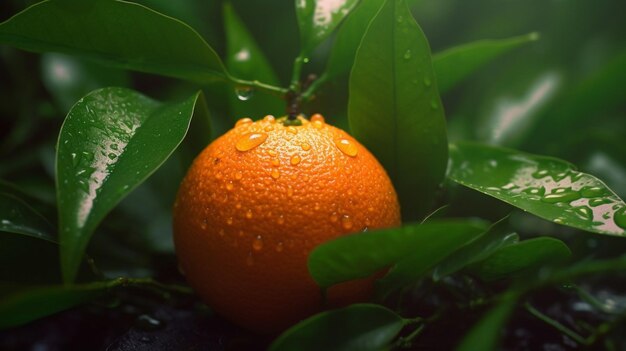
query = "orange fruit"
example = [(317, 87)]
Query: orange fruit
[(258, 199)]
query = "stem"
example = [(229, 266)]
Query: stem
[(297, 71), (181, 289), (560, 327), (272, 89), (306, 96)]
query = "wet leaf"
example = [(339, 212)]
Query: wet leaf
[(359, 327), (455, 64), (520, 258), (119, 33), (110, 142), (360, 255), (318, 18), (547, 187), (394, 108), (20, 305), (245, 60), (16, 216)]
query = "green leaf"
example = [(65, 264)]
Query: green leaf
[(394, 107), (359, 327), (318, 18), (349, 36), (16, 216), (118, 33), (523, 257), (496, 237), (360, 255), (456, 63), (245, 60), (486, 334), (19, 306), (547, 187), (110, 142), (428, 249)]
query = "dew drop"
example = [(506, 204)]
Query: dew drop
[(347, 147), (316, 207), (292, 130), (269, 118), (346, 222), (427, 82), (318, 124), (114, 146), (275, 162), (230, 186), (540, 191), (620, 217), (243, 121), (244, 93), (295, 159), (407, 54), (561, 195), (584, 213), (281, 219), (112, 156), (272, 153), (257, 243), (219, 175), (203, 225), (146, 322), (229, 221), (249, 214), (305, 146), (317, 118), (238, 205), (598, 201), (592, 192), (75, 159), (250, 140), (280, 247), (275, 174), (540, 174), (306, 60), (238, 175), (268, 128), (334, 218)]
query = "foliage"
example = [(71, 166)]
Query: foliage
[(490, 224)]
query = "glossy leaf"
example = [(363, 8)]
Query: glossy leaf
[(118, 33), (359, 327), (318, 18), (16, 216), (245, 60), (498, 236), (360, 255), (20, 305), (521, 258), (547, 187), (455, 64), (349, 36), (486, 334), (428, 250), (394, 107), (110, 142)]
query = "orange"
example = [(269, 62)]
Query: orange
[(255, 203)]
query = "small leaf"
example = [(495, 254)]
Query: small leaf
[(496, 237), (523, 257), (118, 33), (429, 249), (110, 142), (16, 216), (360, 255), (360, 327), (318, 18), (394, 107), (19, 305), (454, 64), (349, 36), (547, 187), (486, 334), (245, 60)]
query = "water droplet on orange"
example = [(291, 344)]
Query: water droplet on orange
[(346, 222), (271, 152), (347, 147), (203, 225), (334, 218), (318, 124), (317, 118), (257, 243), (281, 219), (275, 174), (230, 186), (269, 118), (295, 159), (305, 146), (249, 214), (250, 140), (275, 162), (243, 121), (368, 222), (219, 175), (317, 206), (279, 247), (268, 128), (292, 130), (229, 220), (238, 175)]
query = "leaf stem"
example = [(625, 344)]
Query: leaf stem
[(556, 324), (255, 84), (306, 95), (297, 72)]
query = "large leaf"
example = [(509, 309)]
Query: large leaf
[(458, 62), (19, 305), (547, 187), (245, 60), (429, 249), (520, 258), (486, 334), (360, 255), (360, 327), (318, 18), (118, 33), (110, 142), (349, 36), (394, 107)]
